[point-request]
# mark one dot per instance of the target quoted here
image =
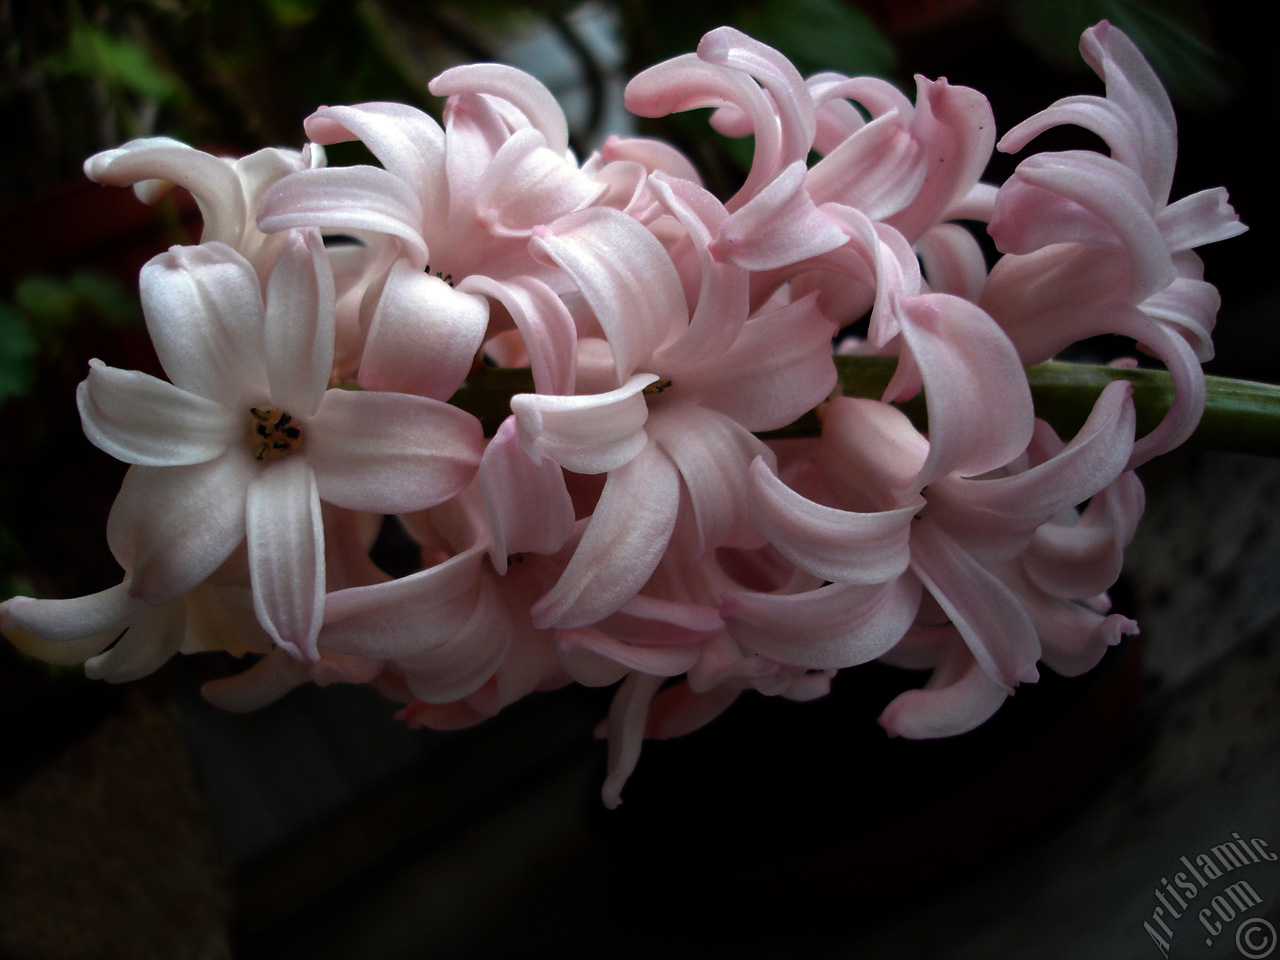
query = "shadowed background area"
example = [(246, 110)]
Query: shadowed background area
[(140, 822)]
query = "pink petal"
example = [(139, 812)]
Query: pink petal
[(286, 555), (953, 261), (529, 505), (1082, 559), (1204, 217), (153, 637), (958, 697), (687, 83), (837, 545), (516, 87), (527, 185), (712, 454), (545, 325), (423, 335), (836, 626), (625, 275), (596, 433), (390, 452), (139, 419), (722, 304), (1090, 462), (406, 141), (627, 716), (870, 455), (265, 682), (204, 312), (173, 526), (956, 130), (986, 613), (347, 199), (779, 367), (625, 539), (777, 227), (976, 392), (595, 659)]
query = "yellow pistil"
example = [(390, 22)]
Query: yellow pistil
[(657, 387), (273, 433)]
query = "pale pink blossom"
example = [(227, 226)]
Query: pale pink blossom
[(1093, 245)]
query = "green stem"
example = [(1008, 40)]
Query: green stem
[(1240, 415)]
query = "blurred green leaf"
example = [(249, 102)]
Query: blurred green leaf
[(93, 51), (17, 353), (819, 35), (1170, 33)]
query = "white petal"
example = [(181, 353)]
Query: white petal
[(173, 526), (140, 419), (204, 312), (299, 324), (286, 555), (68, 631)]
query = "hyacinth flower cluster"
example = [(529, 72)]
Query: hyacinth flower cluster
[(626, 525)]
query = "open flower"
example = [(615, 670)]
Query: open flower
[(247, 439)]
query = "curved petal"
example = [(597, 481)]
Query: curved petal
[(528, 185), (1023, 501), (518, 88), (625, 275), (407, 142), (140, 419), (528, 502), (286, 555), (545, 326), (777, 227), (623, 542), (391, 452), (987, 614), (423, 335), (976, 392), (347, 199), (779, 368), (211, 180), (204, 312), (263, 683), (958, 697), (173, 526), (837, 545), (836, 626), (596, 433), (595, 659), (712, 454), (151, 640), (627, 716), (70, 631)]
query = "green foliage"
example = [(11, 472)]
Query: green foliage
[(818, 35), (92, 51), (17, 353), (1170, 33)]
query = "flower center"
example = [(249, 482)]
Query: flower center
[(273, 433), (657, 387)]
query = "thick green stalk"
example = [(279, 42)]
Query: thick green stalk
[(1240, 415)]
